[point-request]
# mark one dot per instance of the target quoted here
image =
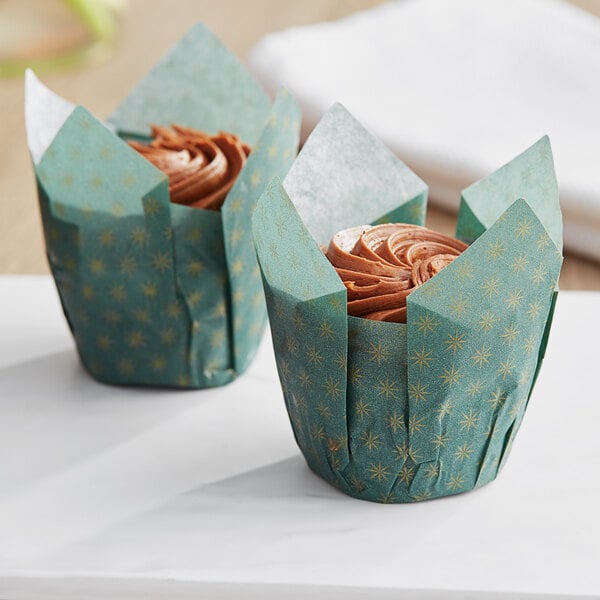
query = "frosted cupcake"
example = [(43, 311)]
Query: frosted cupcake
[(149, 242), (401, 412)]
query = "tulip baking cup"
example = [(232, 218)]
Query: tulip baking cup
[(394, 412), (158, 293)]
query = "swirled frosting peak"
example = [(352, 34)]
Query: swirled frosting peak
[(201, 168), (381, 265)]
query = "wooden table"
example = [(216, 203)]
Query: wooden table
[(147, 29)]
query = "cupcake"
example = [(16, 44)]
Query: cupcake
[(393, 411), (147, 217)]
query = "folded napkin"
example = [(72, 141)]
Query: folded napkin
[(457, 87)]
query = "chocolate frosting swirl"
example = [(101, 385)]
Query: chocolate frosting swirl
[(381, 265), (201, 168)]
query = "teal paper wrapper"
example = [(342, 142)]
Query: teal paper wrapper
[(157, 293), (393, 412)]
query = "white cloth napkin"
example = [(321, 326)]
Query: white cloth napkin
[(457, 88)]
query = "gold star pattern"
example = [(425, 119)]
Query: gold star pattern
[(112, 316), (491, 286), (237, 234), (152, 207), (514, 299), (158, 364), (463, 452), (217, 338), (510, 334), (415, 424), (406, 474), (497, 399), (150, 290), (458, 306), (395, 422), (355, 374), (341, 361), (418, 391), (444, 408), (193, 235), (142, 315), (481, 356), (314, 356), (194, 267), (195, 298), (464, 270), (136, 339), (326, 330), (519, 264), (317, 432), (371, 441), (534, 309), (106, 237), (324, 410), (379, 472), (168, 336), (529, 344), (421, 358), (432, 471), (363, 409), (117, 209), (237, 266), (118, 293), (455, 341), (357, 485), (543, 242), (97, 266), (451, 376), (257, 299), (506, 368), (456, 482), (523, 229), (404, 452), (440, 440), (469, 420), (427, 324), (332, 387), (125, 366), (139, 236), (379, 353), (304, 378), (539, 274), (495, 250), (184, 381), (488, 320), (161, 261), (128, 180), (387, 388), (87, 291), (220, 309), (291, 344), (103, 342), (128, 265), (475, 387), (173, 310)]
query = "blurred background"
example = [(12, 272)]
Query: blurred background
[(93, 53)]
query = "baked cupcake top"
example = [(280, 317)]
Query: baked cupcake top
[(381, 265), (201, 168)]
